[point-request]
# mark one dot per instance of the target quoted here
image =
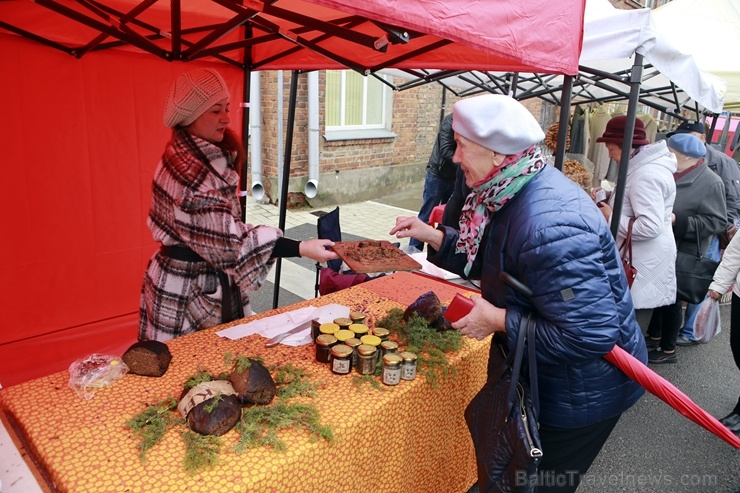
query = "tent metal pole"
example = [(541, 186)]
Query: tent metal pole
[(245, 139), (564, 121), (629, 129), (286, 175)]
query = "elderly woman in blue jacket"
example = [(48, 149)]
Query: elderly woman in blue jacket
[(529, 220)]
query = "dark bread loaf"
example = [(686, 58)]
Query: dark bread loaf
[(254, 385), (210, 408), (148, 358)]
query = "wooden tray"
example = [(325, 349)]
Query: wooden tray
[(368, 256)]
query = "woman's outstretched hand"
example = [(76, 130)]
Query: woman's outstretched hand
[(413, 227), (316, 250)]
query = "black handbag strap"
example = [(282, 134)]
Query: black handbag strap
[(526, 331)]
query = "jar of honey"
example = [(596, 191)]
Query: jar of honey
[(323, 347), (341, 359)]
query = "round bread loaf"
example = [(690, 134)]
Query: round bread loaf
[(254, 385), (210, 408), (148, 358)]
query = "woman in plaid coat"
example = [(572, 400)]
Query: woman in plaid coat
[(209, 260)]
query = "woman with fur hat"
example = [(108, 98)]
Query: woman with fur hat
[(209, 261), (699, 210), (649, 192), (526, 218)]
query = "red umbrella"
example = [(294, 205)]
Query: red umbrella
[(665, 390)]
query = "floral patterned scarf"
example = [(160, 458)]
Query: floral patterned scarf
[(490, 194)]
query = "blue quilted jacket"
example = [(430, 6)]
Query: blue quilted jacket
[(553, 238)]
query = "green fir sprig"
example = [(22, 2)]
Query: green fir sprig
[(259, 425), (200, 450), (429, 344), (152, 423)]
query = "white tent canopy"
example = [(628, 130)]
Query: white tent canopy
[(611, 38), (710, 30)]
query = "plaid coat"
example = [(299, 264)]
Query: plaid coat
[(194, 203)]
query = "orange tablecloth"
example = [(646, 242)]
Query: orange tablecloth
[(410, 437)]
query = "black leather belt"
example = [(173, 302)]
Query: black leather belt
[(185, 254)]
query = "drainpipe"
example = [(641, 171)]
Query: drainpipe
[(255, 120), (312, 185)]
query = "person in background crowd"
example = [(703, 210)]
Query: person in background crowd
[(698, 211), (440, 178), (727, 169), (727, 273), (529, 220), (649, 193), (209, 260)]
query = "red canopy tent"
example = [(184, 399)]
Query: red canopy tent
[(82, 131)]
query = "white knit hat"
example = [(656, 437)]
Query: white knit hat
[(191, 96), (496, 122)]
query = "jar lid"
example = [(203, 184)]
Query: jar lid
[(343, 321), (389, 345), (326, 340), (328, 328), (392, 359), (408, 356), (357, 316), (372, 340), (381, 332), (344, 334), (341, 351), (359, 328), (366, 349), (353, 342)]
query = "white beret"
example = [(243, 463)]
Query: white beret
[(192, 94), (499, 123)]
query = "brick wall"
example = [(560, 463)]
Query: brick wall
[(415, 120)]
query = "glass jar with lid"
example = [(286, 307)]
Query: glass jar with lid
[(392, 369), (357, 317), (341, 359), (353, 343), (343, 322), (382, 333), (359, 330), (323, 347), (408, 365), (328, 328), (344, 334), (388, 347), (366, 359), (375, 342)]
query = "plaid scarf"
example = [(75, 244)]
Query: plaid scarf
[(492, 194)]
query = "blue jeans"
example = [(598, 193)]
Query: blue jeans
[(436, 192), (692, 310)]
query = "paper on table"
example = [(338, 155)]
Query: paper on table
[(269, 327), (431, 269)]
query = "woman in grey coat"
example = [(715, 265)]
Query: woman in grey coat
[(698, 211)]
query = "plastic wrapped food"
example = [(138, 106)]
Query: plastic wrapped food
[(93, 372)]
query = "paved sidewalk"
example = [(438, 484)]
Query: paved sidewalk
[(370, 219)]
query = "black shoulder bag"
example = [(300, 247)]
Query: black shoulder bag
[(694, 273), (502, 418)]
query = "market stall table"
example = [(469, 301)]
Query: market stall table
[(407, 437)]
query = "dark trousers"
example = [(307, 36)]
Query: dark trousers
[(665, 324), (567, 453), (735, 337)]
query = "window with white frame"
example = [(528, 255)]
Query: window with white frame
[(356, 106)]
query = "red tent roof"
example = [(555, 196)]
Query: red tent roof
[(318, 34)]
